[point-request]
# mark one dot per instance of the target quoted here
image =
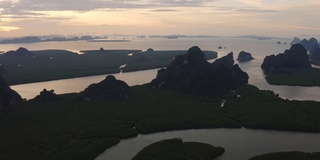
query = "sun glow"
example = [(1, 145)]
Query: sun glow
[(7, 29)]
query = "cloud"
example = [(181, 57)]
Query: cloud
[(244, 9), (180, 3), (164, 10), (24, 6), (6, 28)]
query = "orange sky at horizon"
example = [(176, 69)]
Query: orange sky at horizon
[(279, 18)]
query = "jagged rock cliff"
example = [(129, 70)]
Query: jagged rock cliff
[(110, 87), (296, 57), (21, 52), (192, 74), (244, 56), (8, 97)]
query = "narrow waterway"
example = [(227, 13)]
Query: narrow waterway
[(240, 144)]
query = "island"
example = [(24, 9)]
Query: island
[(292, 68), (23, 66), (35, 39), (244, 56), (176, 149), (83, 125)]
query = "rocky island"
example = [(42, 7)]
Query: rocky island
[(244, 56), (292, 67), (192, 73), (295, 57)]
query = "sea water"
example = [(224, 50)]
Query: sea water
[(258, 48)]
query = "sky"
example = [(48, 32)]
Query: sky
[(278, 18)]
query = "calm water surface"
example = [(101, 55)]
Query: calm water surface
[(240, 144)]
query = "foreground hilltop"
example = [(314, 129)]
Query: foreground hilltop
[(192, 73), (8, 97)]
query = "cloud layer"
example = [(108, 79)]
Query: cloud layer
[(168, 16), (23, 6)]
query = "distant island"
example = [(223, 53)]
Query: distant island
[(257, 37), (182, 36), (244, 56), (313, 47), (35, 39)]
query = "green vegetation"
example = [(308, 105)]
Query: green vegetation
[(265, 110), (288, 156), (59, 64), (72, 129), (295, 77), (175, 149), (48, 65), (69, 128)]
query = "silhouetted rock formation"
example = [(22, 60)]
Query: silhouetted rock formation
[(191, 73), (110, 87), (309, 44), (21, 52), (8, 97), (316, 54), (150, 50), (313, 49), (226, 61), (296, 57), (295, 40), (2, 70), (29, 39), (46, 95), (244, 56)]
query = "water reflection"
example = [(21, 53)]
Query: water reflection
[(72, 85), (240, 144)]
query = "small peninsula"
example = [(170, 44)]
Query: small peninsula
[(176, 149)]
